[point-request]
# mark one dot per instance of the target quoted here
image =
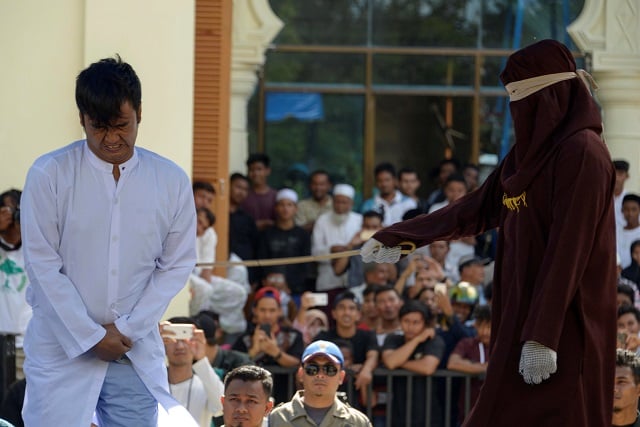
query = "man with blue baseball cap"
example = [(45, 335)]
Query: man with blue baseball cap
[(321, 373)]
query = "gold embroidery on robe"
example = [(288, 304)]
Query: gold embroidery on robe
[(513, 203)]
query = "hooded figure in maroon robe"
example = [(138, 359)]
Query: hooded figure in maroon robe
[(554, 284)]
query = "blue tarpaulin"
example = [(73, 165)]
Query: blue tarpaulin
[(301, 106)]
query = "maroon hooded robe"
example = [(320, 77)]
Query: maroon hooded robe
[(555, 277)]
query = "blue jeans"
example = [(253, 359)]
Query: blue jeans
[(124, 399)]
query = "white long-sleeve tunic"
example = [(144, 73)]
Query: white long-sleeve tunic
[(98, 253)]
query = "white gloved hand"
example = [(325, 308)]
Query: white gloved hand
[(537, 362), (374, 251)]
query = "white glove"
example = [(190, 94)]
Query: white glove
[(537, 362), (374, 251)]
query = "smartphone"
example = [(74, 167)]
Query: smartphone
[(181, 331), (266, 328), (441, 288), (319, 299), (622, 339)]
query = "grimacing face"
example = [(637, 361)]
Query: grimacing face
[(113, 143)]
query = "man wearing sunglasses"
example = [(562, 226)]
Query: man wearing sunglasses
[(321, 373)]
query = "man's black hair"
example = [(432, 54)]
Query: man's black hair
[(203, 185), (369, 289), (258, 158), (320, 172), (384, 167), (626, 309), (251, 373), (12, 194), (482, 313), (629, 359), (373, 214), (454, 162), (346, 295), (104, 86), (631, 198), (621, 165), (455, 177), (407, 170), (414, 306), (387, 288), (238, 175), (626, 290)]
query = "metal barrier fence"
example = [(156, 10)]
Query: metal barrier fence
[(387, 378)]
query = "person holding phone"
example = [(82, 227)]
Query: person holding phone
[(267, 341), (192, 380)]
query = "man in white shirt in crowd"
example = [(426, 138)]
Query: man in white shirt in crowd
[(108, 234), (390, 202), (332, 229), (192, 380)]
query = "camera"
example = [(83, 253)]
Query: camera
[(179, 331)]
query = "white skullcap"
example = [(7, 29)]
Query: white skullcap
[(287, 193), (344, 190)]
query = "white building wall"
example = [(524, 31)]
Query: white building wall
[(45, 44)]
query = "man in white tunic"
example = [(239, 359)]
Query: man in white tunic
[(109, 238), (336, 227)]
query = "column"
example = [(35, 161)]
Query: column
[(254, 27), (608, 31)]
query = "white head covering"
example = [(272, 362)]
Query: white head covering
[(344, 190), (287, 193)]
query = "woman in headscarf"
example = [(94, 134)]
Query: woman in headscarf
[(554, 299)]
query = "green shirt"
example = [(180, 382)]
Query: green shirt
[(292, 413)]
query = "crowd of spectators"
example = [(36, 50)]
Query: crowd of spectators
[(429, 312)]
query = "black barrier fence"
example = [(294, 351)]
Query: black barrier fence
[(441, 383), (7, 363)]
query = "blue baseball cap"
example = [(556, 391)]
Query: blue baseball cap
[(323, 348)]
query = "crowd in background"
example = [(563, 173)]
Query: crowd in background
[(430, 311)]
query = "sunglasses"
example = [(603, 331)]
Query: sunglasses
[(312, 370)]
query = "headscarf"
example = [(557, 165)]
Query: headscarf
[(547, 117)]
